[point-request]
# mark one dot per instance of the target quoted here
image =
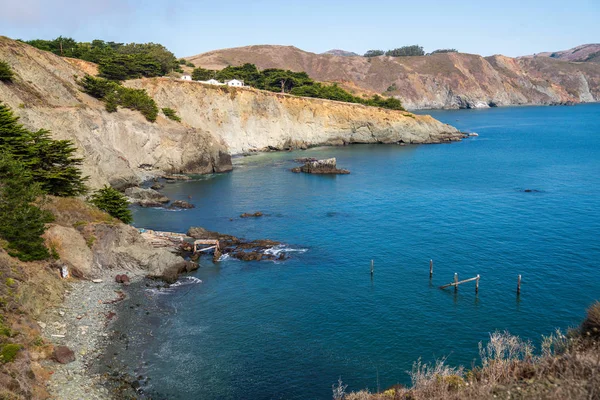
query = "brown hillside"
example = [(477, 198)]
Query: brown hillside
[(450, 80), (583, 53)]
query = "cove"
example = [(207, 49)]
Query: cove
[(288, 330)]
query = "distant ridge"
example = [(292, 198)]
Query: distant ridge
[(584, 53), (341, 53), (446, 80)]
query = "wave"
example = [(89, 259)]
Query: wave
[(281, 248), (184, 281)]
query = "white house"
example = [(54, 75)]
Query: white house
[(212, 82), (234, 82), (186, 78)]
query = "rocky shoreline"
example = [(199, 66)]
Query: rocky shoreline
[(83, 324)]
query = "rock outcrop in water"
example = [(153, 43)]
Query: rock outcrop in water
[(328, 166)]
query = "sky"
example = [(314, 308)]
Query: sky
[(187, 27)]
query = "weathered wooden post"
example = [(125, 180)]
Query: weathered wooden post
[(477, 284), (456, 281), (519, 285), (430, 269), (372, 268)]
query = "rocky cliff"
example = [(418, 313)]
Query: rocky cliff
[(254, 120), (450, 80), (119, 148)]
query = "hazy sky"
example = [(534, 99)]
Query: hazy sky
[(187, 27)]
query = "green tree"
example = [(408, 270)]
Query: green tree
[(444, 51), (247, 73), (51, 163), (6, 72), (414, 50), (374, 53), (113, 202), (22, 223), (202, 74)]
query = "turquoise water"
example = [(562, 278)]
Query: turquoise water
[(288, 330)]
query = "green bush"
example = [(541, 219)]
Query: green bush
[(114, 94), (414, 50), (171, 114), (113, 202), (6, 72), (438, 51), (8, 352), (201, 74)]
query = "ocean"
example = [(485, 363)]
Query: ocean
[(522, 198)]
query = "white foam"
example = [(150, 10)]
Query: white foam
[(281, 248)]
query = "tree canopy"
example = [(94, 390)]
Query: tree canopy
[(113, 202), (116, 61), (51, 163), (444, 51), (374, 53), (414, 50)]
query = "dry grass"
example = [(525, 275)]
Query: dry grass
[(567, 367), (70, 211)]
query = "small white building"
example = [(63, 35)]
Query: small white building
[(186, 78), (212, 82), (234, 82)]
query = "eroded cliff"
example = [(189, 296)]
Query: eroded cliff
[(253, 120), (119, 148)]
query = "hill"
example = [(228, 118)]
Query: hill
[(448, 80), (123, 147), (583, 53)]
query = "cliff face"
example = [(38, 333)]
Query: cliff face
[(253, 120), (119, 148), (450, 80)]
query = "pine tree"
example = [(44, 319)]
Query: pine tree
[(52, 163), (22, 223), (113, 202)]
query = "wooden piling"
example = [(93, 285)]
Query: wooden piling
[(430, 269), (372, 267), (477, 284), (456, 281), (519, 285)]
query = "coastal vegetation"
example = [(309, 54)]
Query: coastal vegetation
[(116, 61), (294, 83), (113, 202), (566, 366), (438, 51), (404, 51), (171, 114), (31, 166), (115, 95), (6, 72)]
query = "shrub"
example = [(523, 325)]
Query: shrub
[(444, 51), (591, 323), (8, 352), (171, 114), (113, 94), (202, 74), (6, 72), (414, 50), (113, 202)]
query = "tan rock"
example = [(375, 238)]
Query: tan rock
[(71, 247)]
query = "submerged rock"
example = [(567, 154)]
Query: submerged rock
[(247, 215), (181, 204), (327, 166)]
